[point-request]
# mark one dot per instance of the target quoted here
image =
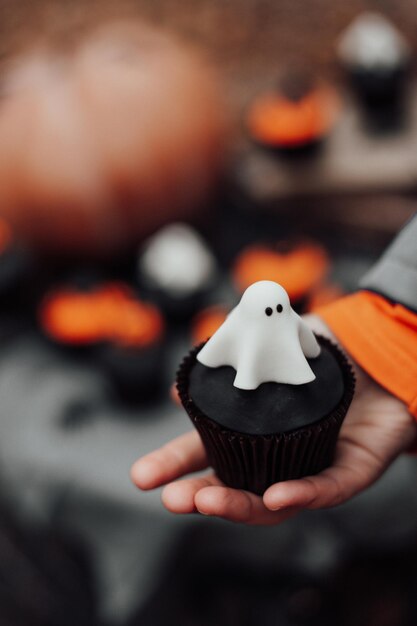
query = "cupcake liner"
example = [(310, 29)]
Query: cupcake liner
[(178, 307), (254, 462), (135, 373)]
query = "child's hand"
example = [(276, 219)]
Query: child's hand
[(376, 430)]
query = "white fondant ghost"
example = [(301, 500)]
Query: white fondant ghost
[(177, 259), (372, 41), (263, 339)]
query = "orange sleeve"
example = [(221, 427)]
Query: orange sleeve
[(382, 338)]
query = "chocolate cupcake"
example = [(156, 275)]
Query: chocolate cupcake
[(377, 59), (177, 271), (299, 266), (295, 118), (116, 330), (267, 396), (132, 353), (69, 319)]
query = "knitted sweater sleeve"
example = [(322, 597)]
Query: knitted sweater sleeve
[(394, 276), (378, 324)]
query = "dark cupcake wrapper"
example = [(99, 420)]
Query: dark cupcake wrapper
[(178, 307), (254, 462), (136, 373)]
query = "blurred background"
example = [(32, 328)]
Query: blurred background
[(157, 157)]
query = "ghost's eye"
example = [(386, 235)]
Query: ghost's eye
[(268, 311), (279, 308)]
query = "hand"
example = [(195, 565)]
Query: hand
[(376, 430)]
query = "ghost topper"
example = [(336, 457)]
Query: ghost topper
[(263, 339)]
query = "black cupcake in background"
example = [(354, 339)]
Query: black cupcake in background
[(294, 118), (114, 329), (299, 266), (377, 59), (176, 270), (136, 372)]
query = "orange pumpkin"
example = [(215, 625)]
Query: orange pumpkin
[(110, 312), (101, 144)]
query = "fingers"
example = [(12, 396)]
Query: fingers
[(207, 495), (180, 456), (358, 463), (329, 488), (237, 506), (178, 497), (312, 492)]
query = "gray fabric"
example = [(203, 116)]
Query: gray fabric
[(76, 477), (395, 274)]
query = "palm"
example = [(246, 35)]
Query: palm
[(376, 430)]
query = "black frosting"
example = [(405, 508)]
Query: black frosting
[(272, 407)]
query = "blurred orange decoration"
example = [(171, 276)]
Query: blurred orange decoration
[(103, 143), (299, 270), (206, 322), (296, 115), (109, 313), (325, 294)]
